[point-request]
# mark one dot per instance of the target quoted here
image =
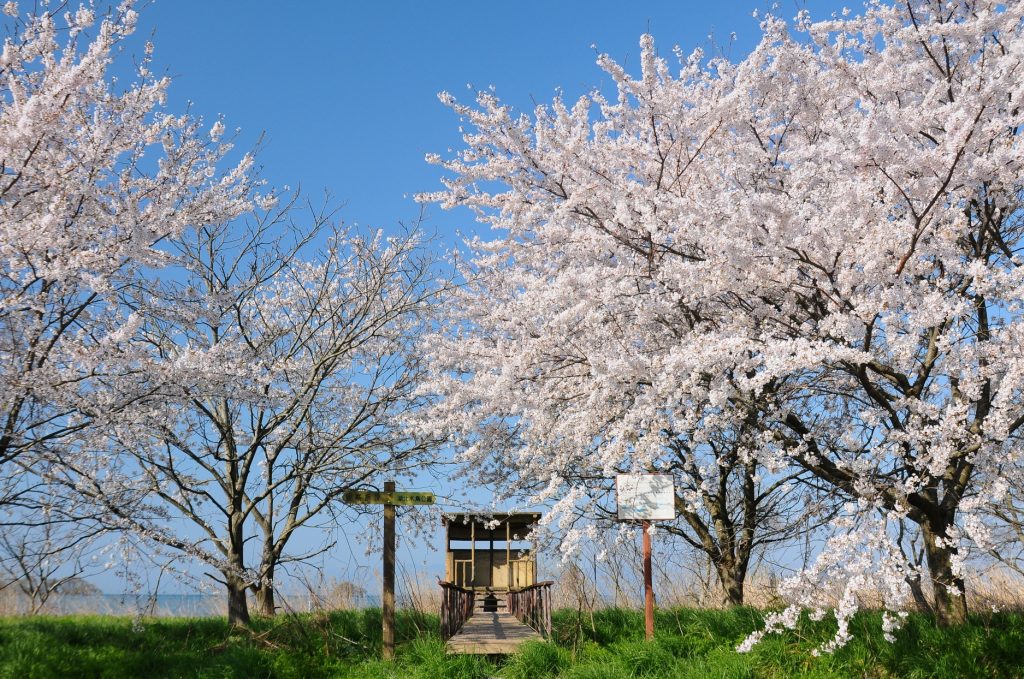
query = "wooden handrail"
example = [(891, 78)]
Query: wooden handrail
[(545, 583), (452, 585), (532, 605), (456, 607)]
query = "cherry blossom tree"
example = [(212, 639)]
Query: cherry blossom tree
[(284, 370), (178, 359), (905, 302), (820, 243), (571, 333), (94, 175)]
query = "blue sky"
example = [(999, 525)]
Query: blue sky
[(346, 91), (346, 95)]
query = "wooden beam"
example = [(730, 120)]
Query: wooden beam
[(388, 598), (533, 561), (648, 584)]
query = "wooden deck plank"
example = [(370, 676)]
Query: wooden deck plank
[(491, 633)]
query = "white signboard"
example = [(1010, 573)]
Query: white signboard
[(645, 496)]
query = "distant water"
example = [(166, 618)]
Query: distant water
[(173, 605)]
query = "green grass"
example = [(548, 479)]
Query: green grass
[(607, 645)]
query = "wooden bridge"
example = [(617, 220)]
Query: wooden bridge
[(496, 623), (491, 602)]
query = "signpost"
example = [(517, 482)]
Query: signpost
[(390, 499), (646, 497)]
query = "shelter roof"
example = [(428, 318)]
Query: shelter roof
[(460, 524)]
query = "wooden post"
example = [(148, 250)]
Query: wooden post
[(388, 598), (445, 608), (532, 579), (508, 556), (472, 554), (648, 584), (490, 563), (390, 499)]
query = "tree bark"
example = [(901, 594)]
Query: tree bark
[(238, 605), (917, 590), (949, 598), (731, 578), (264, 591)]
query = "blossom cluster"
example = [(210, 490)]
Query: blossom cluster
[(813, 253)]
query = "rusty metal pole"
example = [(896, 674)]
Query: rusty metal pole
[(388, 598), (648, 584)]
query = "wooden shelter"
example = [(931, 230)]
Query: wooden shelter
[(491, 601), (490, 552)]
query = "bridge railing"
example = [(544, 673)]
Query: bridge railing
[(456, 607), (532, 605)]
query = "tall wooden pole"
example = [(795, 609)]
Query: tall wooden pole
[(648, 584), (388, 598)]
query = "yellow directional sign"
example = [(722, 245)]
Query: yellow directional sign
[(373, 497)]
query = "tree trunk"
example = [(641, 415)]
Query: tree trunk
[(731, 578), (917, 590), (949, 598), (238, 605), (264, 591)]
